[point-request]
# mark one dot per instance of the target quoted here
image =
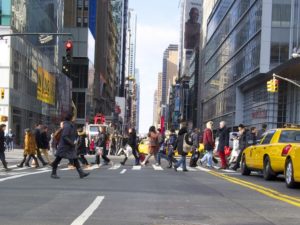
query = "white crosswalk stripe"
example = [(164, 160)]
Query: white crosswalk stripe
[(115, 167), (136, 167), (157, 167)]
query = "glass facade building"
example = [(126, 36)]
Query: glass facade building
[(245, 41), (35, 89)]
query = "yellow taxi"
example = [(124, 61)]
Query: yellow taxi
[(270, 154), (292, 164)]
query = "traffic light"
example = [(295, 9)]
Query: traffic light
[(2, 92), (69, 50), (275, 84), (3, 118), (270, 86)]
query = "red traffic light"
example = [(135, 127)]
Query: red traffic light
[(69, 45)]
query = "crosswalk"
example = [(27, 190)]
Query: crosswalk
[(26, 171)]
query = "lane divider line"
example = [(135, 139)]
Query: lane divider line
[(123, 171), (265, 191), (80, 220)]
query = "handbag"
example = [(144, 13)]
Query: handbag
[(227, 151), (186, 147)]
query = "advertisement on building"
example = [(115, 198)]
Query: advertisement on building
[(46, 86), (192, 16), (121, 104)]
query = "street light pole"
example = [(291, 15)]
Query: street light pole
[(286, 79)]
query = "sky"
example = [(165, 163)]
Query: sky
[(157, 26)]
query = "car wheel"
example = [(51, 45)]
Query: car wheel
[(244, 169), (267, 172), (289, 174)]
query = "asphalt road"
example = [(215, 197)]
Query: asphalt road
[(127, 195)]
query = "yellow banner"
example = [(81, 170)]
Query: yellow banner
[(46, 86)]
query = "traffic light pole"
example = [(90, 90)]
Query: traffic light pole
[(286, 79)]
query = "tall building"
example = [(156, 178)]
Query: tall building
[(35, 91), (246, 41), (106, 58), (190, 24), (138, 98), (158, 100), (80, 20), (155, 105), (132, 23)]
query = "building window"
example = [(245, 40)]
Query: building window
[(79, 21), (86, 4), (85, 21), (79, 3)]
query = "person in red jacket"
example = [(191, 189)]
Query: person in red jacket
[(209, 143)]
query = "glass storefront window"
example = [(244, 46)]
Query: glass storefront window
[(5, 12)]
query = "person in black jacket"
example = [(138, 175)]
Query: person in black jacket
[(37, 134), (2, 146), (223, 135), (182, 137), (132, 142), (66, 148), (44, 143), (243, 143), (101, 146), (81, 147)]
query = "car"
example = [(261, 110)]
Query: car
[(269, 156), (292, 164)]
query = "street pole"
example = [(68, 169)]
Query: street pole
[(286, 79)]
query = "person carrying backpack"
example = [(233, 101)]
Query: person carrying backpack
[(171, 143)]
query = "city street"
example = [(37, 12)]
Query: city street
[(134, 195)]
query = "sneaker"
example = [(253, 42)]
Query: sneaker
[(20, 166), (122, 163)]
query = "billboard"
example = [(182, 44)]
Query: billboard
[(192, 18), (46, 86)]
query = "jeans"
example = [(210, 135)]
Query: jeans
[(182, 161), (2, 158), (161, 155), (207, 158)]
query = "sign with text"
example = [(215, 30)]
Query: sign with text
[(46, 86)]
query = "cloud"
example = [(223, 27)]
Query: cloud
[(151, 43)]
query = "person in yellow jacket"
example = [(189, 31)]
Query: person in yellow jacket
[(29, 149)]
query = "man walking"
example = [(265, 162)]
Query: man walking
[(39, 145)]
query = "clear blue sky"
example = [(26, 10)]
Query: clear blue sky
[(157, 27)]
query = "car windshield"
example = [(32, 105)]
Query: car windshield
[(290, 136)]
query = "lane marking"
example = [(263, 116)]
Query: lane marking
[(123, 171), (80, 220), (115, 167), (93, 167), (22, 175), (157, 167), (136, 167), (23, 168), (261, 189)]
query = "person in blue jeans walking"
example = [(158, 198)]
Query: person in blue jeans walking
[(209, 143), (182, 142)]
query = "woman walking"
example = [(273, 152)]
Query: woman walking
[(66, 148), (153, 144), (29, 149)]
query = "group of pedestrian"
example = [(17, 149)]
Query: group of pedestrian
[(162, 145)]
